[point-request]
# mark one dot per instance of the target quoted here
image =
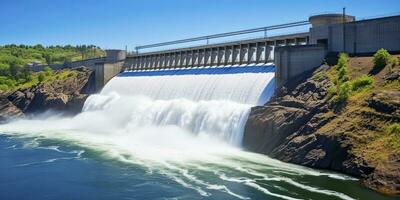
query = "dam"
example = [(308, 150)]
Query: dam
[(169, 124)]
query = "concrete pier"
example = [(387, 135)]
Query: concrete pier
[(232, 53)]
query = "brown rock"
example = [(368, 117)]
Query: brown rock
[(8, 110)]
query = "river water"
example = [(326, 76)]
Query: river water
[(159, 135)]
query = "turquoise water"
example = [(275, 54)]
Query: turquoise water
[(38, 168)]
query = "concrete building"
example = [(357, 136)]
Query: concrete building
[(355, 37)]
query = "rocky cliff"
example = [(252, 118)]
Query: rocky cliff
[(303, 124), (66, 93)]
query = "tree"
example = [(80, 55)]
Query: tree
[(14, 69), (48, 71), (41, 77), (48, 58)]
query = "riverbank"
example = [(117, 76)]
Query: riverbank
[(305, 124), (65, 91)]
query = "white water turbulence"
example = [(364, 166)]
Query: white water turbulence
[(186, 125)]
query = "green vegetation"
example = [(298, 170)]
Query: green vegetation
[(362, 82), (41, 77), (343, 93), (393, 128), (343, 87), (381, 58), (358, 106), (342, 67), (15, 60), (393, 61)]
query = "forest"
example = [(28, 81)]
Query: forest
[(16, 59)]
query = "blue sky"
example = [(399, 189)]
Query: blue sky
[(116, 23)]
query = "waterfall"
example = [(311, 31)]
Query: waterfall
[(211, 102)]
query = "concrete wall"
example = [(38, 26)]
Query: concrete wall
[(113, 55), (240, 52), (361, 37), (291, 61), (105, 72)]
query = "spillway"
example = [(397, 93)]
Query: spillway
[(210, 101), (171, 134), (246, 84)]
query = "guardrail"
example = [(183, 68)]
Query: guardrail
[(221, 35)]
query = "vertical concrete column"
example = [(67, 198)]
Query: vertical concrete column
[(182, 59), (158, 61), (193, 59), (266, 52), (211, 56), (225, 61), (257, 52), (240, 54), (178, 60), (205, 57), (137, 63), (173, 63), (155, 61), (151, 62), (198, 58), (219, 55), (249, 53), (146, 62), (233, 55), (148, 65), (140, 63), (164, 62), (133, 64), (185, 59)]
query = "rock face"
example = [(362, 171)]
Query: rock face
[(301, 125), (8, 110), (287, 127), (65, 95)]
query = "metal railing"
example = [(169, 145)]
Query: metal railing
[(221, 35)]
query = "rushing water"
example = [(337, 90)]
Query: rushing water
[(159, 135)]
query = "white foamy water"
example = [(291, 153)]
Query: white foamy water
[(254, 87), (176, 126)]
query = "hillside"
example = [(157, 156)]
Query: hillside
[(343, 117), (14, 58)]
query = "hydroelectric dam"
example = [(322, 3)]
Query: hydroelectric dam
[(169, 124), (291, 54)]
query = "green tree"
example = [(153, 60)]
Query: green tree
[(48, 58), (48, 71), (41, 77)]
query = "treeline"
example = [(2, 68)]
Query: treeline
[(14, 60)]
